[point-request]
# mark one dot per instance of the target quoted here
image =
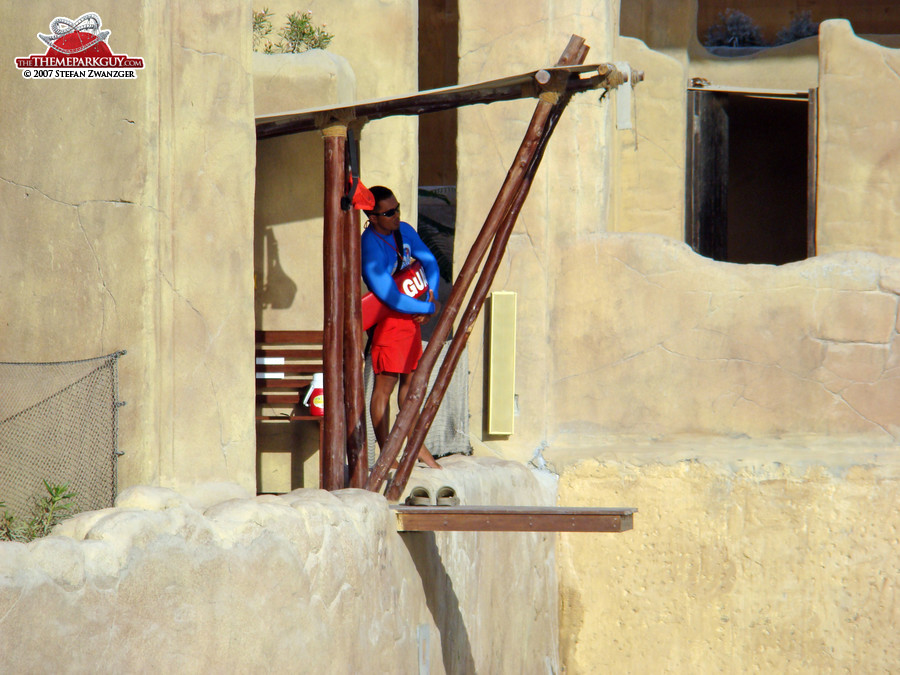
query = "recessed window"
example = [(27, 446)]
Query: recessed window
[(751, 181)]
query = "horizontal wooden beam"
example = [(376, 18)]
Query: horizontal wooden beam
[(280, 337), (579, 78), (511, 519), (289, 418), (293, 353)]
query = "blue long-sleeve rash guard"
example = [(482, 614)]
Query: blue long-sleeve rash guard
[(379, 262)]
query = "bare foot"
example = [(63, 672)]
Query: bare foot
[(429, 461)]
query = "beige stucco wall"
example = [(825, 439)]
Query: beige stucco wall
[(579, 316), (859, 153), (670, 27), (748, 411), (380, 42), (734, 405), (128, 225), (647, 163), (566, 196), (373, 55), (288, 235), (792, 67), (214, 580), (747, 556), (653, 339), (290, 187)]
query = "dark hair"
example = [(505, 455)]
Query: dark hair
[(380, 193)]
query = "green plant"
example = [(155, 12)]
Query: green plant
[(47, 511), (301, 34), (262, 28), (298, 35), (734, 29), (801, 26), (7, 526)]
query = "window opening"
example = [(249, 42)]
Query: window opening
[(749, 186)]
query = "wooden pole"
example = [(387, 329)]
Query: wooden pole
[(473, 309), (354, 388), (335, 438), (498, 212)]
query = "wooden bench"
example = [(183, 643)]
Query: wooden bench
[(285, 363)]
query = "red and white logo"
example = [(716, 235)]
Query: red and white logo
[(78, 49)]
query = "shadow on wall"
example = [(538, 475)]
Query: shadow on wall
[(288, 210), (277, 290), (442, 602)]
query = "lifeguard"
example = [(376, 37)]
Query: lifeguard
[(389, 245)]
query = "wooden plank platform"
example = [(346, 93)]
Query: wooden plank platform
[(511, 519)]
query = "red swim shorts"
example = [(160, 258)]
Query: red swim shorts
[(396, 345)]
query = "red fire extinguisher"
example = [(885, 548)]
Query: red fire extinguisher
[(315, 398)]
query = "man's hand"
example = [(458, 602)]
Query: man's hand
[(424, 318), (437, 305)]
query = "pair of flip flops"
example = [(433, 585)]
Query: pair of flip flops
[(421, 496)]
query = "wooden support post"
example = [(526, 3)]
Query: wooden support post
[(354, 388), (335, 439), (498, 212), (473, 309)]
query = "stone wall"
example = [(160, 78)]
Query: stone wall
[(214, 580), (128, 225)]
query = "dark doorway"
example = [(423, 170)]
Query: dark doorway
[(438, 67), (750, 189)]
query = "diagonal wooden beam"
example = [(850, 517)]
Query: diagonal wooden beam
[(473, 309), (497, 214)]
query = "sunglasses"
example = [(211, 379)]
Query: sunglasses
[(388, 213)]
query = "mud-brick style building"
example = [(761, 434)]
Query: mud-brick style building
[(706, 275)]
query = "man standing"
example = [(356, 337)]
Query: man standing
[(389, 245)]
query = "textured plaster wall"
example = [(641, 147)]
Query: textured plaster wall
[(290, 187), (647, 163), (607, 347), (792, 67), (748, 412), (214, 580), (746, 556), (568, 198), (367, 59), (127, 224), (670, 27), (663, 341), (288, 234), (859, 150)]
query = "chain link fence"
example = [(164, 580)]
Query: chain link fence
[(59, 423)]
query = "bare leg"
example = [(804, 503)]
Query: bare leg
[(424, 455), (379, 408)]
